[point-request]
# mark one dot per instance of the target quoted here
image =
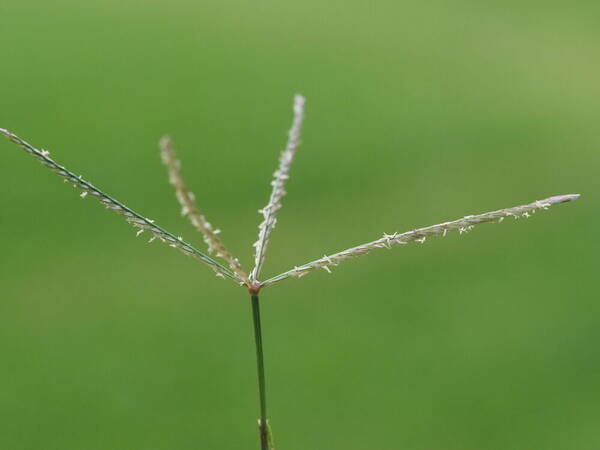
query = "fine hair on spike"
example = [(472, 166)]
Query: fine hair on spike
[(109, 202), (463, 225), (280, 176), (190, 208)]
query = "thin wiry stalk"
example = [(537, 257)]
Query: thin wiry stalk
[(279, 177), (263, 424), (131, 216), (388, 240), (190, 209)]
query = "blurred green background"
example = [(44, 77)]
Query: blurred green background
[(417, 112)]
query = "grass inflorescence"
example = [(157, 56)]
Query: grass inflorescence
[(226, 265)]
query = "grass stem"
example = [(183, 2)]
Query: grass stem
[(260, 364)]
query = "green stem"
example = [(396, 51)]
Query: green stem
[(260, 363)]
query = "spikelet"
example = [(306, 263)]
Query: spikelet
[(279, 178), (419, 235), (110, 203), (190, 209)]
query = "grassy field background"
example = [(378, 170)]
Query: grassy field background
[(417, 112)]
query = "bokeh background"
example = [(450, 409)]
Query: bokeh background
[(417, 112)]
